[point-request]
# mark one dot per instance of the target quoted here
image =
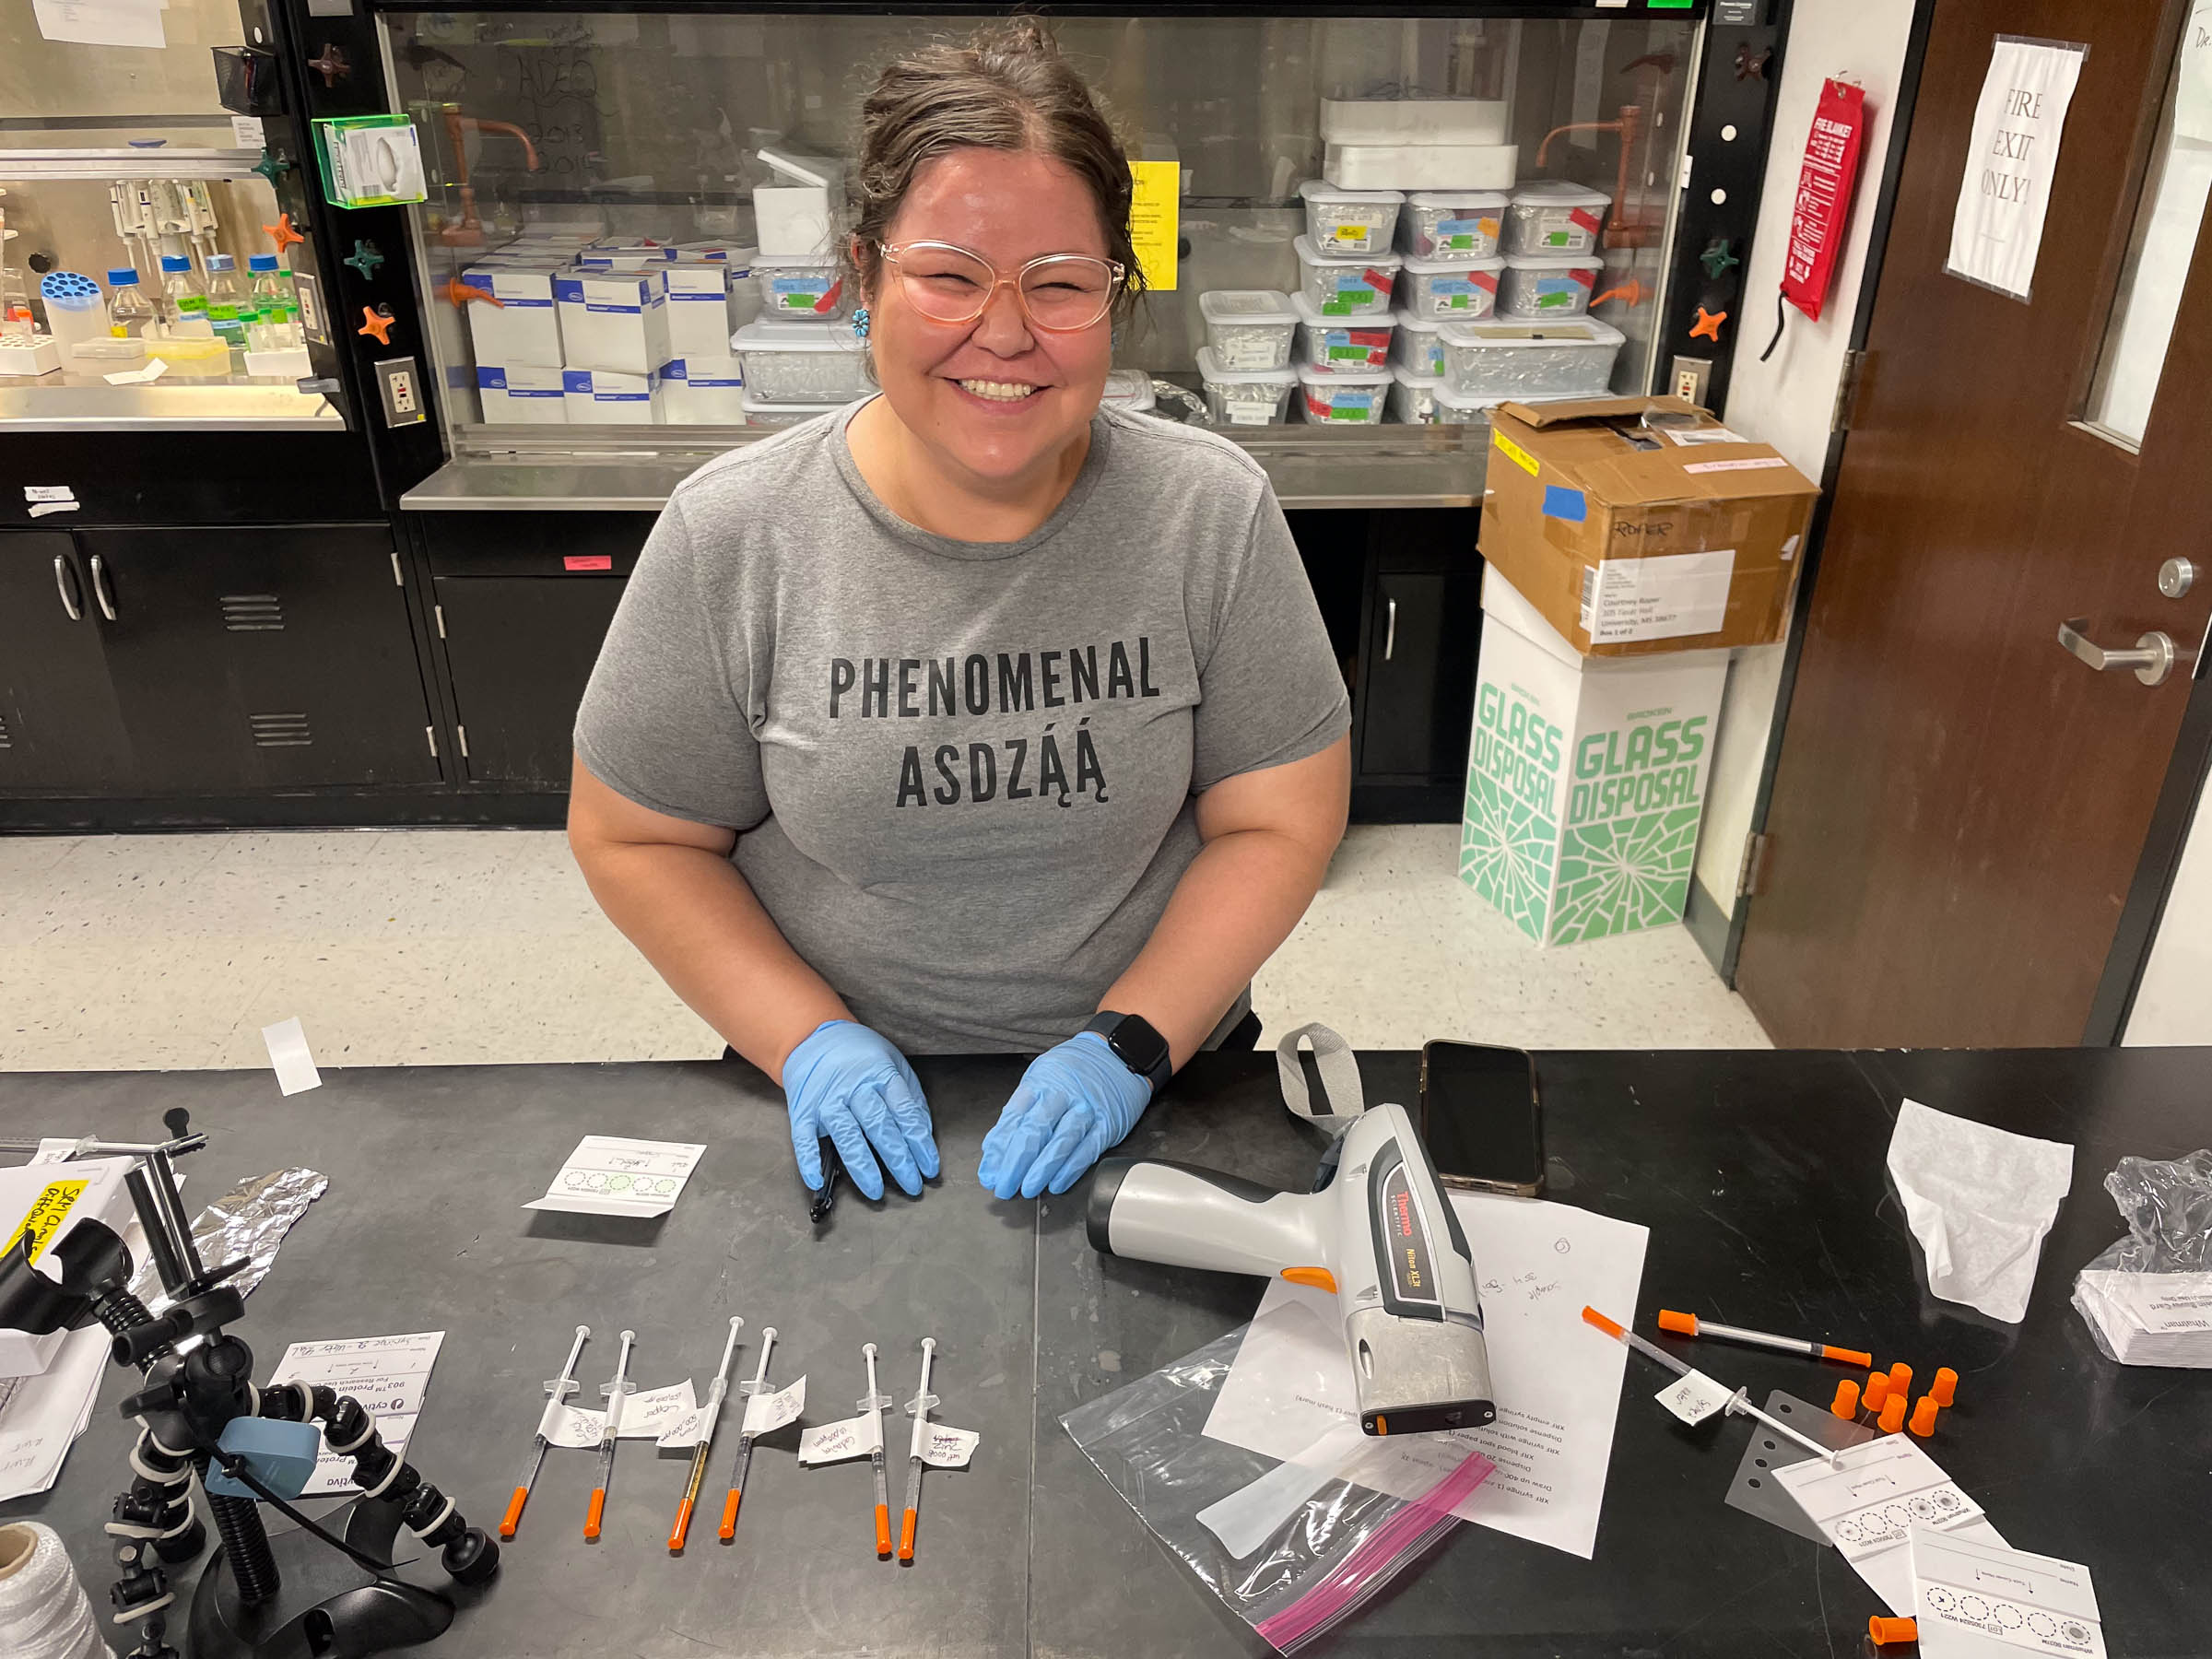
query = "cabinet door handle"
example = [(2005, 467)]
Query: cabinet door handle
[(60, 586), (100, 589), (1389, 631)]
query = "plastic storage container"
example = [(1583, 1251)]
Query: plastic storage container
[(1449, 288), (1344, 285), (1416, 343), (1244, 397), (1404, 165), (1344, 395), (1248, 328), (1338, 342), (1414, 120), (759, 412), (1130, 390), (1550, 216), (1351, 222), (1547, 285), (802, 362), (1571, 358), (1452, 224), (1419, 402), (800, 285)]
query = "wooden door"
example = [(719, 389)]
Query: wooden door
[(1959, 805)]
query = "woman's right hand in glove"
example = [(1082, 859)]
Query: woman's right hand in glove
[(848, 1083)]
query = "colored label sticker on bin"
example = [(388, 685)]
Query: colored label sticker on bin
[(817, 294), (1155, 226), (1514, 453), (1565, 502), (1342, 402), (587, 561)]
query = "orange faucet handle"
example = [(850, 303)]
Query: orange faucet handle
[(458, 294), (377, 322), (282, 235), (1631, 292)]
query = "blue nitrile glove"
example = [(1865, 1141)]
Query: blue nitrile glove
[(846, 1082), (1073, 1104)]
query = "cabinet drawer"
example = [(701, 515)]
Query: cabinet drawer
[(533, 543)]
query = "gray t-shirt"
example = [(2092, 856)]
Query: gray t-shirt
[(963, 773)]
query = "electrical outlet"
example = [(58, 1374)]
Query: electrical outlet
[(1689, 378), (399, 382)]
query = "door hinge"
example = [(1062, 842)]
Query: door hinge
[(429, 736), (438, 611), (1754, 868), (1847, 391), (461, 732), (397, 579)]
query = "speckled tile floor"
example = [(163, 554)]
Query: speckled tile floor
[(419, 947)]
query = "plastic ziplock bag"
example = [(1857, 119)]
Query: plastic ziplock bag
[(2147, 1298), (1339, 1544)]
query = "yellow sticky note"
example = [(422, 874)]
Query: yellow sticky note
[(1514, 453), (1153, 219), (47, 1213)]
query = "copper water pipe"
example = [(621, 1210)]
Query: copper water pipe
[(469, 233), (1621, 231)]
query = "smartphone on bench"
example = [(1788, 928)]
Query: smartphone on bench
[(1481, 1117)]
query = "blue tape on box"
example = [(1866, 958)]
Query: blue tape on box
[(1560, 501)]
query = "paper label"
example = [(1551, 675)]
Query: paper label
[(1669, 597), (649, 1415), (1514, 453), (1748, 464), (1155, 226), (576, 1426), (2003, 193), (48, 492), (1688, 436), (101, 22), (245, 132), (833, 1443), (46, 1213), (294, 1065), (1695, 1397), (950, 1448), (609, 1175), (764, 1414)]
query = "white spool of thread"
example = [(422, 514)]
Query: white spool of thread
[(43, 1610)]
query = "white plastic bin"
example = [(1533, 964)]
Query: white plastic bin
[(1345, 285), (1547, 285), (1414, 120), (1343, 343), (802, 362), (1244, 397), (759, 412), (1466, 290), (1413, 396), (1551, 216), (1417, 343), (1571, 358), (1452, 224), (801, 286), (1248, 328), (1350, 221), (1404, 165), (1335, 397)]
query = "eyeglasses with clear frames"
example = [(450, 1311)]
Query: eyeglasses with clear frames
[(1060, 293)]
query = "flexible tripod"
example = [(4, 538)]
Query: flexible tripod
[(304, 1592)]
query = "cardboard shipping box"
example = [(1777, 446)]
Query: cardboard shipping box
[(1631, 538)]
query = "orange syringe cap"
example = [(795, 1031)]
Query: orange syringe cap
[(1878, 1389), (1885, 1632), (1682, 1325), (1901, 1378), (1893, 1413), (1923, 1417), (1945, 1386), (1846, 1404)]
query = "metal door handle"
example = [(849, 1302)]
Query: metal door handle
[(1389, 631), (100, 589), (2152, 658), (60, 586)]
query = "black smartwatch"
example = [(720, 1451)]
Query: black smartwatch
[(1140, 1048)]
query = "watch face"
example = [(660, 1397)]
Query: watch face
[(1142, 1049)]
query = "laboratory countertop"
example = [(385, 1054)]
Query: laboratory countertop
[(1760, 1176)]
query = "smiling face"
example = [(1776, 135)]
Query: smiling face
[(994, 401)]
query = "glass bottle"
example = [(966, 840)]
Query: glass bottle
[(129, 311), (230, 301), (183, 300), (275, 325)]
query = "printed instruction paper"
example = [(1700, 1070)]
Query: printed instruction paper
[(1558, 1381), (2005, 192), (1867, 1502), (1979, 1600), (389, 1375), (608, 1175)]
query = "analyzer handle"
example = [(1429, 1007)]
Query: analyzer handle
[(1156, 1211)]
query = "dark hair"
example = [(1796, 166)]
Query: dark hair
[(1009, 89)]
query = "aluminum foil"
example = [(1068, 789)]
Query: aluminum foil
[(248, 1221)]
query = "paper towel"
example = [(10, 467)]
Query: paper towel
[(1979, 1201)]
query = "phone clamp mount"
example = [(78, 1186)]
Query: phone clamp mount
[(203, 1422)]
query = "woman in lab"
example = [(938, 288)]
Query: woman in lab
[(973, 717)]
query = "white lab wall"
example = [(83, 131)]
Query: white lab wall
[(2173, 1005), (1787, 401)]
